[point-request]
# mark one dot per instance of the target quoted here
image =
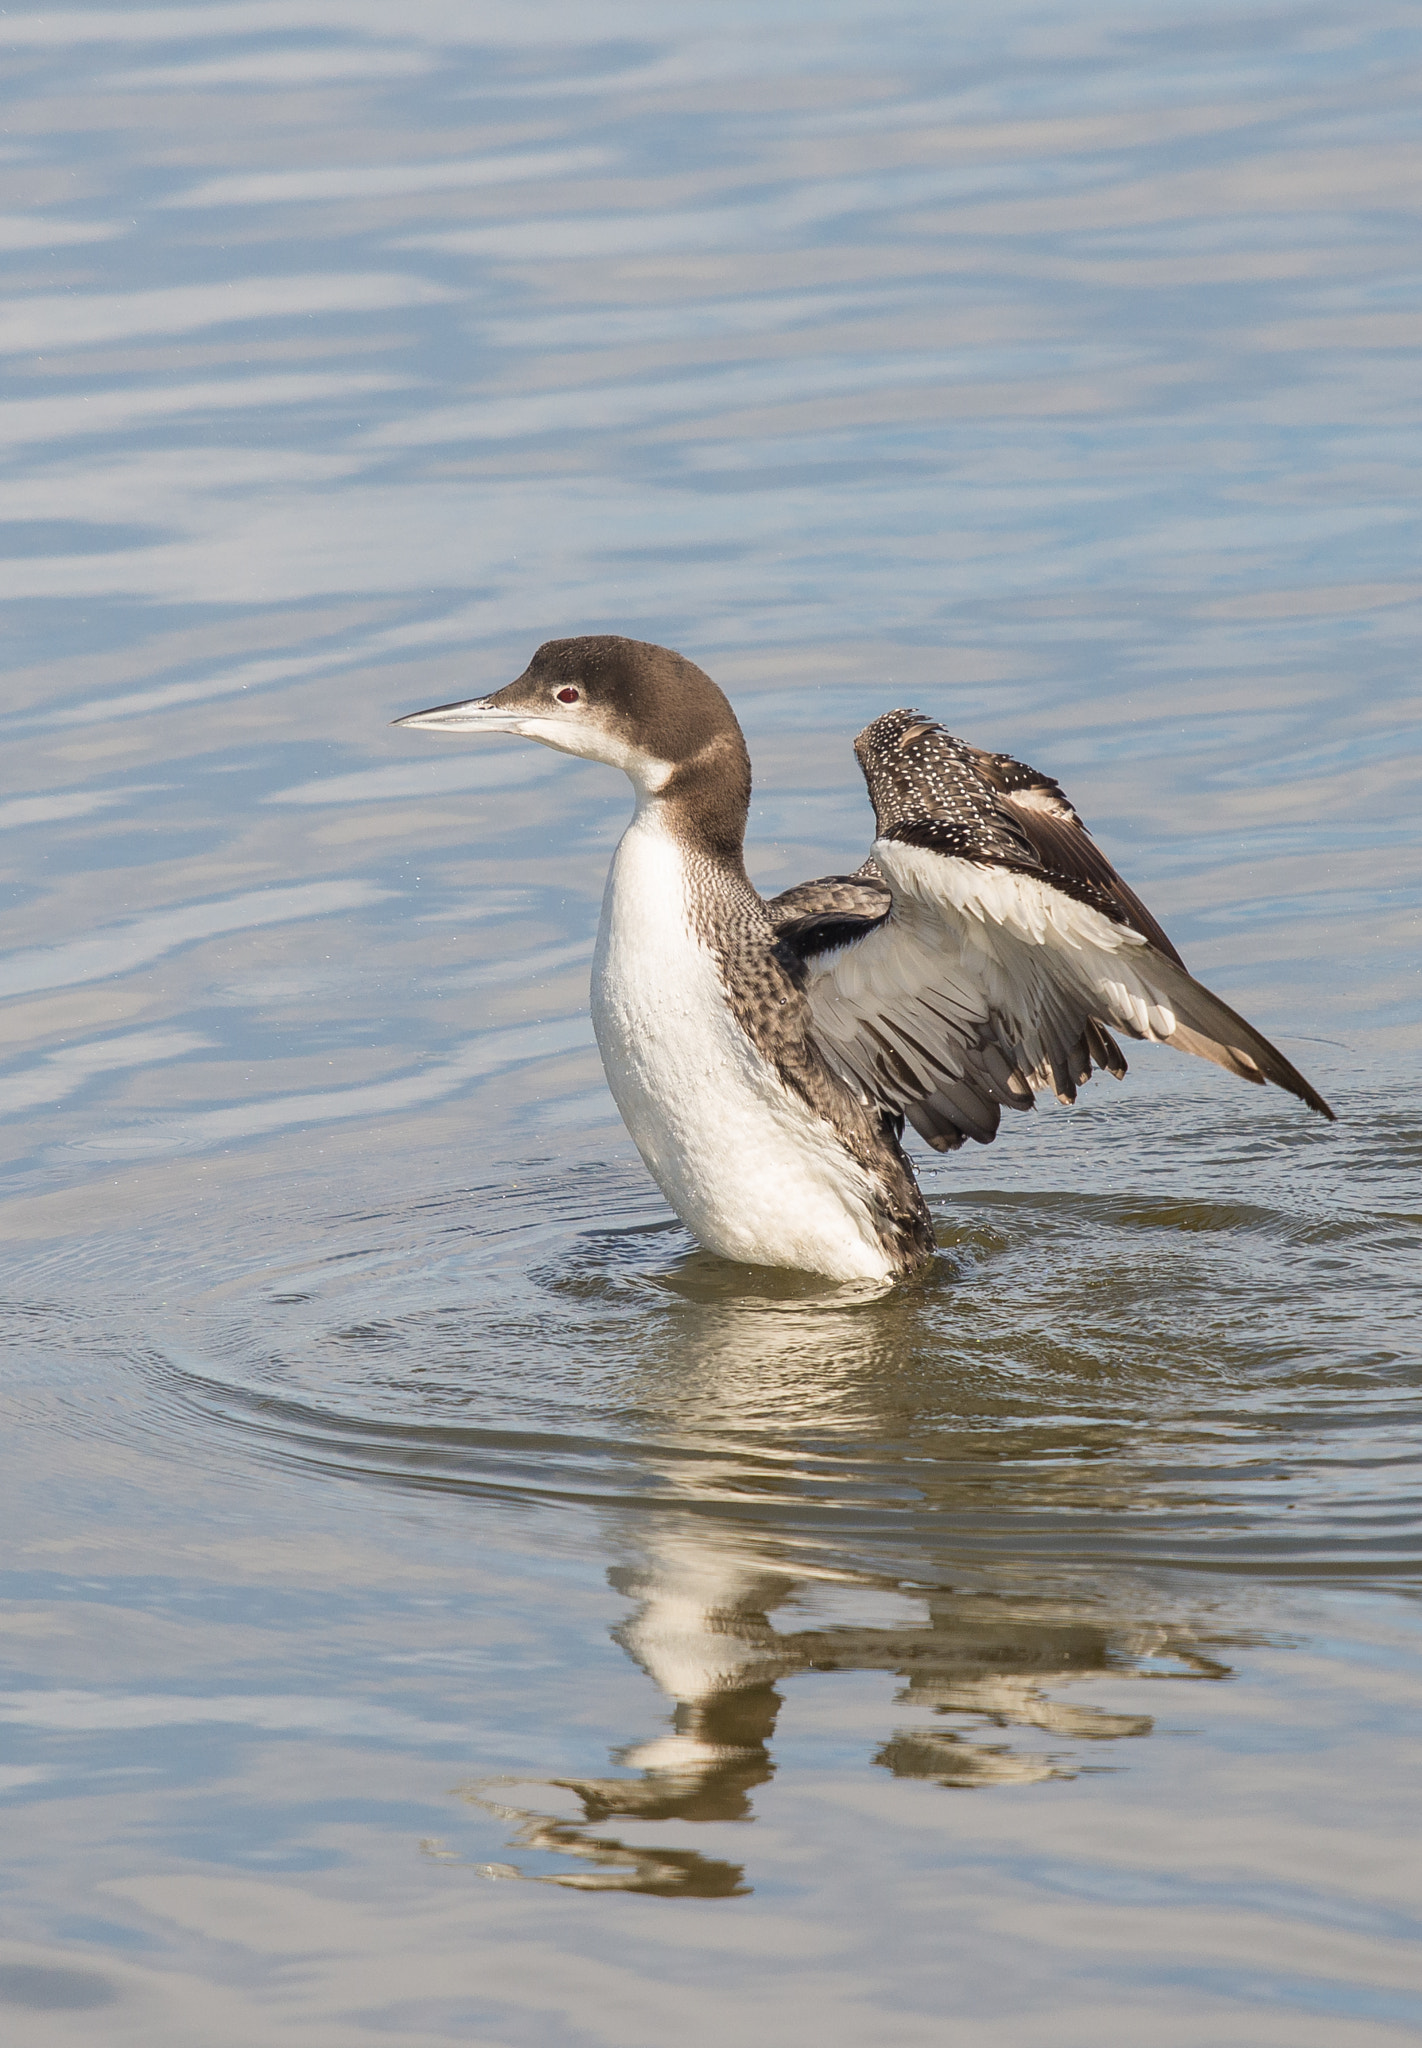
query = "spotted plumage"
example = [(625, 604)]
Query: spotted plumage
[(766, 1055), (764, 977)]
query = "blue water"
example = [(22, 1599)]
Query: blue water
[(439, 1603)]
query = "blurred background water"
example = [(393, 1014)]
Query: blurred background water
[(439, 1602)]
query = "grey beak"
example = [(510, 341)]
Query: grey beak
[(475, 714)]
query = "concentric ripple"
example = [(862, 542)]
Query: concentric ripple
[(1152, 1375)]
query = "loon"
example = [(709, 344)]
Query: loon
[(765, 1054)]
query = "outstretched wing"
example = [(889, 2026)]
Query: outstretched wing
[(1008, 952), (1061, 842)]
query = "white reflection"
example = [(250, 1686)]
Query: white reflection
[(494, 1052), (41, 231), (14, 1776), (248, 675), (79, 414), (61, 1072), (703, 319), (375, 181), (495, 770), (121, 948), (68, 803), (282, 66), (37, 321), (739, 223), (68, 1709), (353, 649)]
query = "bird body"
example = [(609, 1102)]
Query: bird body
[(765, 1055), (749, 1167)]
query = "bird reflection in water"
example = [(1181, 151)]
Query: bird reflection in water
[(702, 1632), (757, 1402)]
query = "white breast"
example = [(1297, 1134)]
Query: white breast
[(750, 1170)]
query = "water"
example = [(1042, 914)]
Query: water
[(440, 1602)]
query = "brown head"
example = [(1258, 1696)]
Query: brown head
[(639, 707)]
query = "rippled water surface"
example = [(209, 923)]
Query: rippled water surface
[(441, 1603)]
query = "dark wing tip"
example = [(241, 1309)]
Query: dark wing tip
[(1305, 1091), (1210, 1028), (1284, 1074)]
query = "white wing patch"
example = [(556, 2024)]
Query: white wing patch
[(1030, 940), (984, 982)]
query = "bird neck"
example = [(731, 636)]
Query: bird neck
[(706, 800)]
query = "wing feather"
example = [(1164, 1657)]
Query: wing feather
[(1061, 841), (1007, 955)]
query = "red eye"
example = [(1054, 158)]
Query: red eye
[(568, 696)]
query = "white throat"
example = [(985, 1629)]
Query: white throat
[(593, 742)]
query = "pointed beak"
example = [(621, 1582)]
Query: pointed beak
[(475, 714)]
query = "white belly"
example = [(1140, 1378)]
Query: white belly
[(748, 1168)]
